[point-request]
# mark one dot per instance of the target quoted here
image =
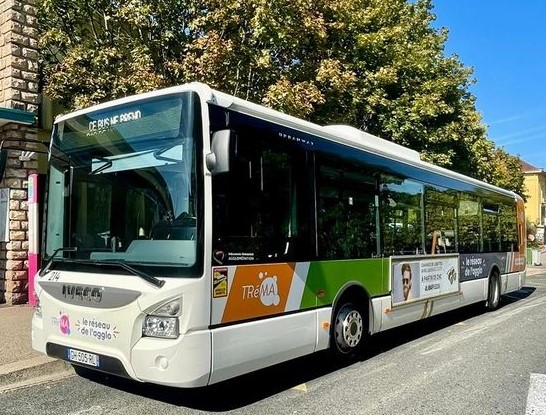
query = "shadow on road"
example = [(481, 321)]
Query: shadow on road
[(516, 296), (248, 389)]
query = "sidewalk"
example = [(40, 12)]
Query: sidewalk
[(537, 269), (19, 363)]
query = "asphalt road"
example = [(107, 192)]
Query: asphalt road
[(465, 362)]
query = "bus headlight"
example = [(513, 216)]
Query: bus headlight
[(163, 322), (163, 327)]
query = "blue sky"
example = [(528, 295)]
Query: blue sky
[(504, 41)]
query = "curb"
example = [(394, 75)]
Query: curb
[(30, 371)]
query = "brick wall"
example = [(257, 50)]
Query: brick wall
[(18, 90), (19, 55)]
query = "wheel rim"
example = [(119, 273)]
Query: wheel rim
[(349, 329)]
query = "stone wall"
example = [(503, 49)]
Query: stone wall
[(19, 55), (13, 253), (19, 91)]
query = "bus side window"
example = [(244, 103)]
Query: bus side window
[(260, 205), (440, 221), (469, 223), (402, 227), (346, 210), (508, 228), (491, 228)]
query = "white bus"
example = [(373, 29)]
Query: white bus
[(191, 236)]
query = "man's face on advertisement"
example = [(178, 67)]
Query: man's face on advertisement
[(406, 283)]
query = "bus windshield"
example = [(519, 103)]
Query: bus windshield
[(123, 187)]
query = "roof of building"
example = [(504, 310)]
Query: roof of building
[(529, 168)]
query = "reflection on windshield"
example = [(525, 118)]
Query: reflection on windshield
[(136, 160), (137, 207)]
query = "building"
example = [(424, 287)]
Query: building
[(18, 127), (535, 206)]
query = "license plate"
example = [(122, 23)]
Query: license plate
[(83, 357)]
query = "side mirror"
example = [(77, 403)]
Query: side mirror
[(218, 159)]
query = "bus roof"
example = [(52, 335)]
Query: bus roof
[(343, 134), (349, 136)]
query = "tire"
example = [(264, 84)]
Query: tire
[(349, 330), (494, 291)]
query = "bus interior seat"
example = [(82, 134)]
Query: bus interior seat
[(173, 230)]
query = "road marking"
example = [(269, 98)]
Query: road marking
[(496, 319), (454, 338), (536, 398), (301, 388), (93, 410)]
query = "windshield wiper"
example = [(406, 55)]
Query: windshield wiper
[(147, 277), (45, 269), (158, 154), (50, 260), (107, 164)]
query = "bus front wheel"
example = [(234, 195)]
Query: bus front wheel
[(493, 296), (348, 331)]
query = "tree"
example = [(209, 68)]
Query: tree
[(376, 65)]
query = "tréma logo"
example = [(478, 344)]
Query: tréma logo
[(267, 291), (63, 322)]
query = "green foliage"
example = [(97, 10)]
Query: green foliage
[(374, 64)]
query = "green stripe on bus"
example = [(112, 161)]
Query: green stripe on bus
[(326, 278)]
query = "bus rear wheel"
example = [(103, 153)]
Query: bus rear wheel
[(348, 331), (493, 295)]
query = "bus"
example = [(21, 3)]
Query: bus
[(191, 236)]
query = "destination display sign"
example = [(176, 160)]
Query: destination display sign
[(164, 117)]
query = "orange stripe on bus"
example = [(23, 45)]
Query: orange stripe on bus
[(258, 290)]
